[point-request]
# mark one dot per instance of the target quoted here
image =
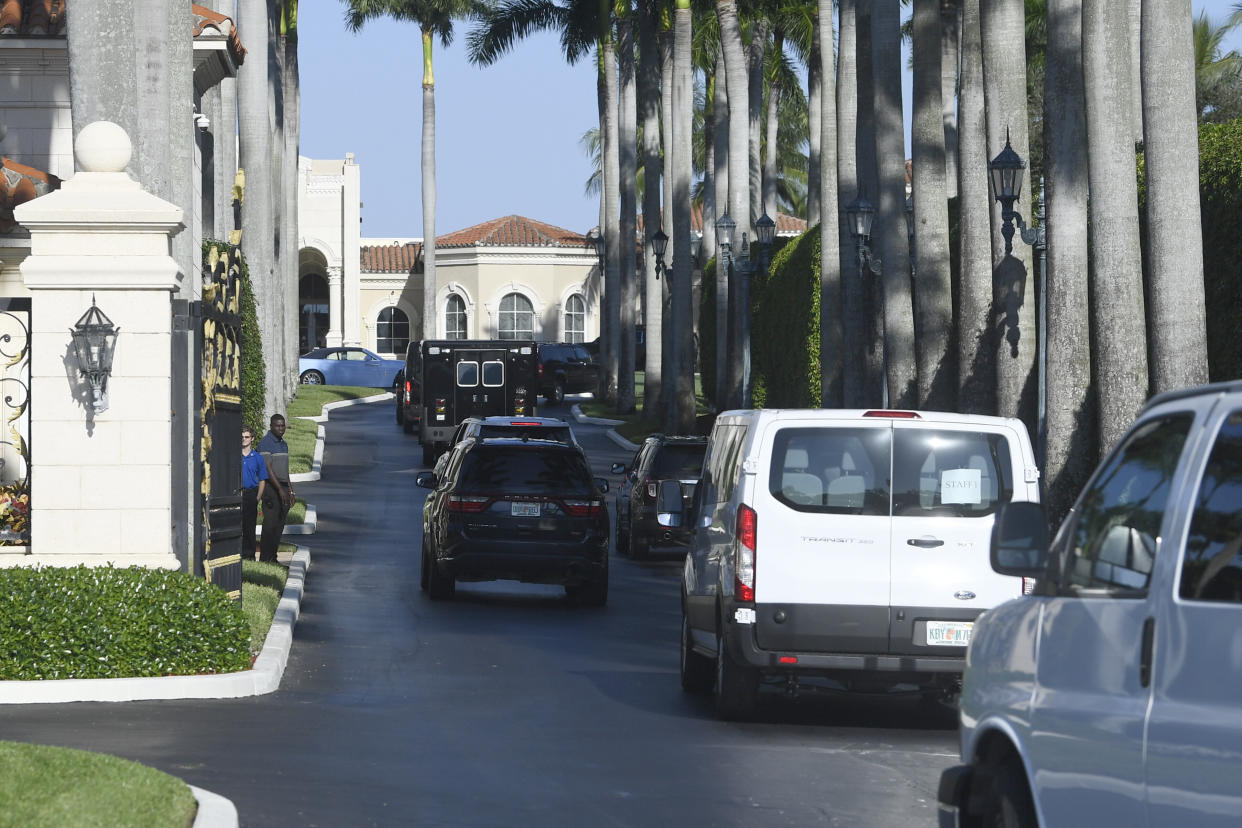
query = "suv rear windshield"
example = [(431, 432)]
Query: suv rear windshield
[(539, 432), (679, 461), (525, 469)]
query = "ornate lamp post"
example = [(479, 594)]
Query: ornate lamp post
[(659, 244), (94, 343), (860, 214)]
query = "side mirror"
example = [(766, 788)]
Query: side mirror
[(426, 479), (670, 510), (1020, 541), (618, 468), (602, 484)]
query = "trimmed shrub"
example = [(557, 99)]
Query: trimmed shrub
[(253, 372), (785, 330), (83, 622)]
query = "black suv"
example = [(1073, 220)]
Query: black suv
[(659, 458), (513, 509), (566, 368), (522, 428)]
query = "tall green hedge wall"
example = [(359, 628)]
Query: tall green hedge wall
[(254, 374)]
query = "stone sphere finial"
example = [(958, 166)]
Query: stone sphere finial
[(103, 146)]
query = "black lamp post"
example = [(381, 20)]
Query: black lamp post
[(659, 244), (94, 344), (597, 241), (860, 214)]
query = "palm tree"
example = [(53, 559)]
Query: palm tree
[(976, 349), (1069, 453), (683, 264), (890, 219), (1119, 341), (627, 231), (292, 104), (434, 19), (756, 53), (853, 373), (649, 107), (933, 296), (871, 287), (832, 337), (1176, 315), (950, 51), (737, 81), (1002, 28), (1218, 74), (94, 71)]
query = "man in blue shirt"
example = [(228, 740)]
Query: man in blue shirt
[(278, 495), (254, 476)]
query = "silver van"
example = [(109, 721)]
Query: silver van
[(843, 544)]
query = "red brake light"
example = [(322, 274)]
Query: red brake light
[(408, 387), (788, 659), (583, 508), (744, 554), (524, 423), (894, 415), (467, 503)]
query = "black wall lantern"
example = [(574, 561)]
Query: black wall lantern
[(94, 343)]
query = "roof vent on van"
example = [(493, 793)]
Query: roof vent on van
[(896, 415)]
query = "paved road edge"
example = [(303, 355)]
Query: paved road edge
[(214, 811), (317, 460), (612, 432), (263, 678)]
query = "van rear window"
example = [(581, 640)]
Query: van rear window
[(840, 471), (950, 473)]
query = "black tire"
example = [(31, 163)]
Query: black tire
[(400, 413), (558, 392), (423, 567), (696, 669), (429, 454), (623, 537), (640, 549), (311, 378), (1004, 799), (736, 686), (407, 426), (440, 587)]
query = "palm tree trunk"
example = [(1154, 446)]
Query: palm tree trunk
[(814, 109), (103, 85), (668, 391), (649, 106), (720, 158), (254, 136), (1134, 13), (737, 79), (854, 329), (831, 339), (628, 196), (683, 262), (754, 75), (890, 219), (293, 112), (428, 168), (1117, 278), (875, 387), (224, 142), (1177, 316), (950, 42), (612, 216), (976, 348), (772, 124), (707, 241), (934, 294), (1002, 26), (1069, 454)]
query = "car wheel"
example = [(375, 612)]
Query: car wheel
[(696, 670), (737, 686), (407, 426), (400, 413), (623, 537), (311, 378), (422, 577), (439, 585), (558, 392), (639, 548), (1005, 797)]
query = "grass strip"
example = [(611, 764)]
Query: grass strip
[(301, 434), (48, 787), (634, 427), (296, 514), (262, 586)]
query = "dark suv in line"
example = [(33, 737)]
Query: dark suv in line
[(659, 458), (514, 509), (566, 368)]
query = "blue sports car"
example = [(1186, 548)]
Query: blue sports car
[(348, 366)]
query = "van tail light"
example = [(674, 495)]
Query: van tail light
[(519, 401), (1028, 586), (583, 508), (468, 504), (441, 405), (744, 554), (892, 414), (539, 370)]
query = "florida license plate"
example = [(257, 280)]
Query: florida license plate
[(524, 509), (949, 633)]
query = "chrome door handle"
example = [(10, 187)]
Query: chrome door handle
[(926, 542)]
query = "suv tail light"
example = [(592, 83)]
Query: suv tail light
[(1028, 586), (653, 487), (408, 385), (583, 508), (467, 503), (744, 554)]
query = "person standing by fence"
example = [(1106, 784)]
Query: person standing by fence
[(254, 478), (278, 495)]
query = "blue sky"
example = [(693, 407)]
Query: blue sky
[(508, 136)]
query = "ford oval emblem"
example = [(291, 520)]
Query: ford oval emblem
[(964, 595)]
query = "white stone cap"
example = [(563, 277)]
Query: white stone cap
[(101, 196)]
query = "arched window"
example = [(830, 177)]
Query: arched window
[(313, 308), (575, 319), (392, 331), (517, 318), (455, 318)]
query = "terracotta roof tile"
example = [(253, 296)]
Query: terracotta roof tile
[(392, 258), (32, 18), (205, 18), (19, 184), (513, 231)]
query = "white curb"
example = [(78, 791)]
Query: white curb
[(317, 460), (214, 811), (263, 678)]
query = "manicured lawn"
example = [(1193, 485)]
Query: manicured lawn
[(633, 427), (262, 586), (49, 787), (309, 402), (297, 513)]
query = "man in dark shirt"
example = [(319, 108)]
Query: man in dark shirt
[(278, 494)]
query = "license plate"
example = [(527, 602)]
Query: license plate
[(524, 509), (949, 633)]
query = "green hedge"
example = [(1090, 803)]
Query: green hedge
[(82, 622), (785, 330), (253, 372)]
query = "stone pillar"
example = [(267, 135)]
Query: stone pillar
[(101, 483), (334, 307), (351, 252)]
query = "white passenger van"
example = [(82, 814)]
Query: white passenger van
[(851, 545)]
